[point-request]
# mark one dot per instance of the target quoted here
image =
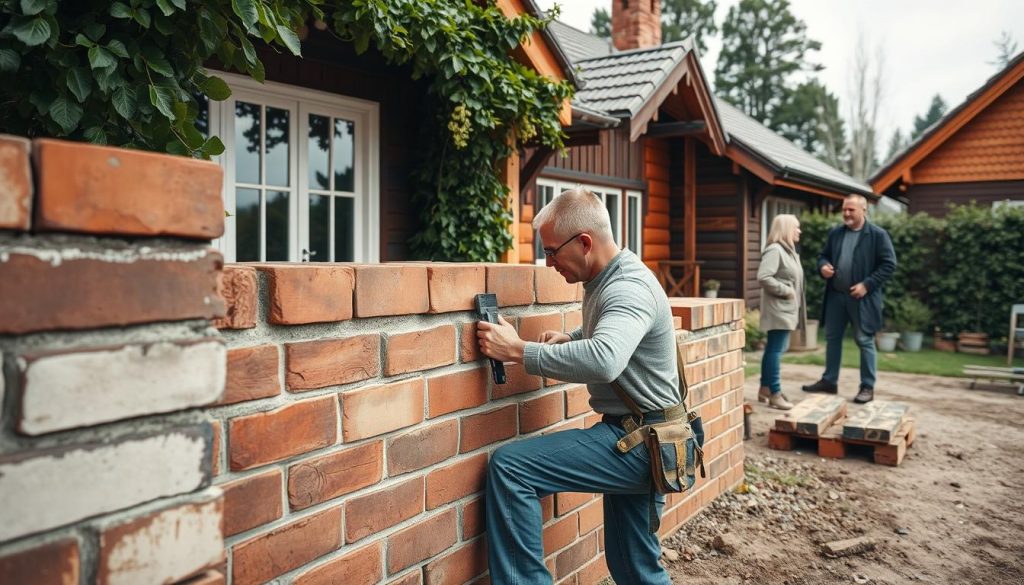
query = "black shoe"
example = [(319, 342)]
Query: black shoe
[(866, 394), (822, 386)]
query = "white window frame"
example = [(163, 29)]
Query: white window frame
[(602, 192), (777, 205), (301, 102)]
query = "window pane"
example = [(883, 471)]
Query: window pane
[(319, 228), (319, 149), (277, 147), (247, 225), (344, 157), (611, 202), (247, 143), (277, 226), (344, 229), (203, 117), (633, 224)]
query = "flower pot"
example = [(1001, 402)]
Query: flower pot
[(886, 341), (911, 340), (711, 294), (973, 342), (943, 342), (805, 339)]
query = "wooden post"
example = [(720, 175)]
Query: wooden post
[(510, 176), (690, 205)]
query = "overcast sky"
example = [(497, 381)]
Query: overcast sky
[(929, 46)]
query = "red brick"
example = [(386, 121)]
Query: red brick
[(469, 346), (575, 556), (264, 557), (459, 566), (453, 287), (513, 284), (568, 501), (559, 534), (573, 321), (372, 411), (421, 541), (54, 563), (473, 518), (422, 447), (384, 508), (410, 578), (252, 374), (391, 289), (593, 573), (457, 391), (540, 412), (308, 293), (591, 516), (552, 287), (489, 427), (577, 401), (252, 501), (330, 362), (517, 381), (206, 578), (532, 326), (15, 183), (105, 190), (217, 447), (359, 567), (322, 478), (456, 481), (420, 350), (265, 437), (107, 293), (547, 507), (239, 291)]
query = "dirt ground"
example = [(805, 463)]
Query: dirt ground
[(953, 512)]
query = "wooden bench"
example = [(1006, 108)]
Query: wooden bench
[(993, 374)]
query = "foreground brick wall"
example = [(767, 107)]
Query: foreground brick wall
[(334, 430)]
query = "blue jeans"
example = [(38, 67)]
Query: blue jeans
[(771, 360), (522, 472), (841, 309)]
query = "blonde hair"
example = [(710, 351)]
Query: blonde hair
[(782, 230), (576, 211)]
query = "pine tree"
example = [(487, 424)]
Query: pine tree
[(683, 18), (810, 119), (896, 144), (935, 111), (601, 23), (1007, 48)]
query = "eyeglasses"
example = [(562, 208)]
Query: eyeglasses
[(551, 253)]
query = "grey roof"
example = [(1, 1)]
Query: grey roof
[(579, 45), (781, 153), (621, 83)]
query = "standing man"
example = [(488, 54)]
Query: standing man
[(627, 336), (857, 260)]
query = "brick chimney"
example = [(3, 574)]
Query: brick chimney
[(636, 24)]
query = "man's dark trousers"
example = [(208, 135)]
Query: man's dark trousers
[(840, 309)]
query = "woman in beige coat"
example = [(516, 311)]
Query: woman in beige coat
[(783, 308)]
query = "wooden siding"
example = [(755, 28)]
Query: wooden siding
[(753, 296), (935, 199), (719, 222), (657, 221)]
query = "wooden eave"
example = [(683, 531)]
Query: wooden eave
[(772, 175)]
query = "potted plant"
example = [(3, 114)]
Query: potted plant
[(886, 338), (912, 316), (752, 330), (711, 287)]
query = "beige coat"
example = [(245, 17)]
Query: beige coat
[(782, 289)]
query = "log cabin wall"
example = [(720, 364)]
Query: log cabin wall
[(935, 199), (720, 227), (659, 166)]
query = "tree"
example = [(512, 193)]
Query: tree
[(810, 118), (763, 47), (1007, 48), (935, 112), (683, 18), (601, 23), (865, 100), (897, 143)]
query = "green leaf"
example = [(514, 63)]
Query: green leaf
[(212, 147), (95, 31), (216, 89), (96, 135), (161, 65), (100, 58), (32, 7), (117, 47), (179, 3), (10, 60), (79, 82), (290, 39), (120, 10), (194, 139), (142, 17), (246, 10), (66, 114), (162, 99), (32, 32), (165, 6), (124, 102), (83, 41)]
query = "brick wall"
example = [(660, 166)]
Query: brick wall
[(325, 424)]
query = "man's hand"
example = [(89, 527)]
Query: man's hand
[(554, 337), (828, 270), (858, 291), (500, 341)]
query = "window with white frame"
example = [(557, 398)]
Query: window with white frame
[(300, 174), (624, 211), (774, 206)]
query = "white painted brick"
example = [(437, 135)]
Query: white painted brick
[(74, 389), (165, 546), (52, 488)]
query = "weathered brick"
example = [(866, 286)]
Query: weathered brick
[(577, 401), (210, 577), (308, 293), (54, 563), (164, 546), (513, 284), (45, 490), (409, 578), (420, 350), (59, 387), (252, 374), (216, 450), (391, 289), (384, 508), (330, 362), (266, 556), (252, 501), (457, 391), (421, 541), (559, 534), (105, 190), (15, 183), (591, 516), (575, 556), (469, 344), (323, 478), (488, 427), (594, 572), (532, 326), (456, 481), (573, 320), (111, 288), (540, 412), (565, 502), (423, 447), (238, 289), (368, 412), (265, 437), (459, 566), (517, 381), (552, 287), (453, 287), (472, 518), (359, 567)]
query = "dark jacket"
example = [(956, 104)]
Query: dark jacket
[(873, 264)]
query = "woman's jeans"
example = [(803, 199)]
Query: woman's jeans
[(771, 361), (585, 460)]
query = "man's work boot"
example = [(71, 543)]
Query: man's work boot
[(866, 394), (822, 386)]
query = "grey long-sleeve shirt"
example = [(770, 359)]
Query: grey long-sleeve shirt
[(627, 335)]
